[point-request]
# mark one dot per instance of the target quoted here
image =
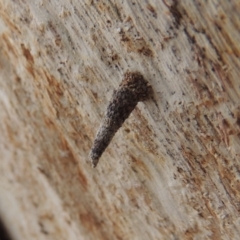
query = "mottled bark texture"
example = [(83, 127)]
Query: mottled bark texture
[(173, 169), (133, 88)]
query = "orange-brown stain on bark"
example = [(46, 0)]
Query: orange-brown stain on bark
[(138, 45), (152, 10), (9, 45), (140, 167), (27, 54)]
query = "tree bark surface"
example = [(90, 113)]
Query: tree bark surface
[(172, 171)]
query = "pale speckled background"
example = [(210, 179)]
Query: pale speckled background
[(172, 171)]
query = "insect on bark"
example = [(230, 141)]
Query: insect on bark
[(133, 88)]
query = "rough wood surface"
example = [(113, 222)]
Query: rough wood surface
[(173, 169)]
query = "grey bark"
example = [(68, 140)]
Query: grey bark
[(171, 171)]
